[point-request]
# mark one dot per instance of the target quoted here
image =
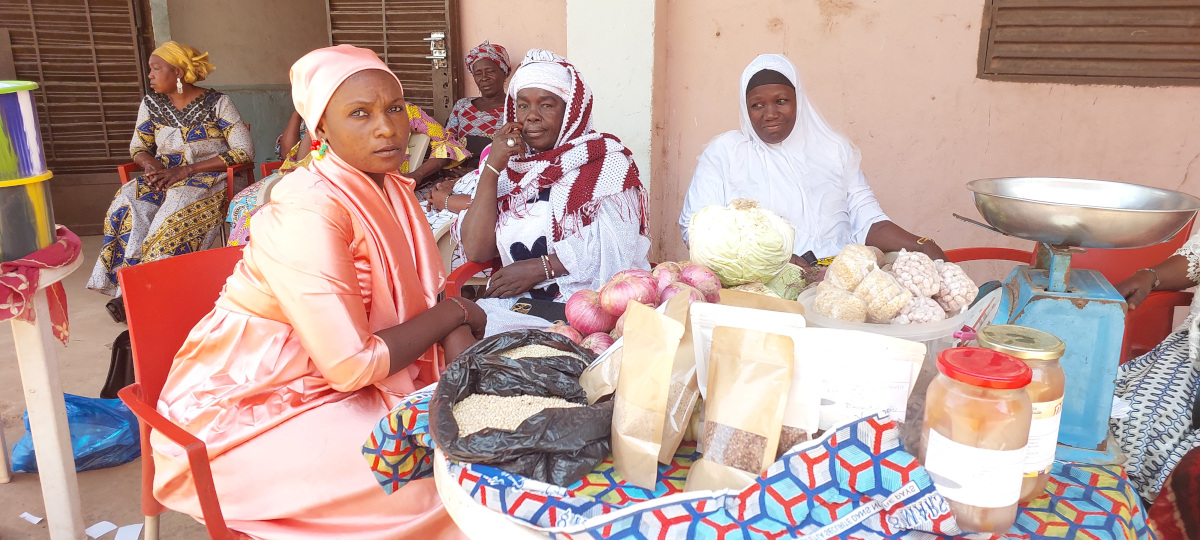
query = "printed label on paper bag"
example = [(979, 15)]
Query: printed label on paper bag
[(973, 476), (1043, 437)]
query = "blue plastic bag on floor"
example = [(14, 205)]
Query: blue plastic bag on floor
[(104, 433)]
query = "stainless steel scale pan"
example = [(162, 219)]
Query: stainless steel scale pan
[(1082, 213)]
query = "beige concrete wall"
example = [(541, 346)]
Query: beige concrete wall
[(621, 73), (518, 25), (251, 43), (898, 78)]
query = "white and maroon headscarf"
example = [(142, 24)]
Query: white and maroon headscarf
[(584, 168)]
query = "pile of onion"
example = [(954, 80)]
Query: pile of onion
[(591, 313)]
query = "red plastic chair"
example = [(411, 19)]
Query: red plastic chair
[(267, 168), (1146, 326), (163, 300), (459, 277)]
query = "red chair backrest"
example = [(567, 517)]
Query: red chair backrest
[(163, 301), (1119, 264)]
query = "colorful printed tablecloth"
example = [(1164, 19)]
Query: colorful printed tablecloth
[(855, 482)]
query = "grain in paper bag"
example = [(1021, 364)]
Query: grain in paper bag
[(684, 391), (749, 374), (640, 401), (756, 312)]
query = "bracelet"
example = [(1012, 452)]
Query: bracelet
[(447, 205), (546, 266), (466, 314), (489, 165), (922, 240), (1156, 280)]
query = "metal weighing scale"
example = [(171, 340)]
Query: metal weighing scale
[(1078, 306)]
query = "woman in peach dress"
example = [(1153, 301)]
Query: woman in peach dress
[(329, 319)]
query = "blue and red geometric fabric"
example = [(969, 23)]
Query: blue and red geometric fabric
[(855, 482)]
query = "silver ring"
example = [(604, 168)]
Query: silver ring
[(511, 143)]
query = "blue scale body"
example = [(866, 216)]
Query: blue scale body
[(1088, 315)]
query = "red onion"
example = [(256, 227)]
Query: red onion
[(632, 272), (700, 277), (597, 343), (666, 274), (680, 288), (619, 329), (628, 286), (564, 330), (585, 314)]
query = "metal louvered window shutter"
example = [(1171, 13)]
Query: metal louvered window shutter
[(88, 58), (398, 31), (1130, 42)]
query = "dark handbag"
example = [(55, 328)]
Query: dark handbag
[(546, 309), (120, 367)]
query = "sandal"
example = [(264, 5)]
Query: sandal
[(116, 309)]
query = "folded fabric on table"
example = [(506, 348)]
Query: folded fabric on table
[(19, 281)]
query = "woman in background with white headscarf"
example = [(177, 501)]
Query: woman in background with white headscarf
[(789, 160), (560, 203)]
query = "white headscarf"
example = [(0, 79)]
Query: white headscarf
[(811, 178)]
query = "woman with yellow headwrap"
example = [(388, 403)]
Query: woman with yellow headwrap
[(184, 139)]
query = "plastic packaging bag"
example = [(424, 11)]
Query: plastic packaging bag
[(885, 296), (104, 433), (837, 304), (556, 446), (851, 266)]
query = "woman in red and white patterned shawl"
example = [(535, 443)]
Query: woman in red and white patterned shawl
[(560, 203)]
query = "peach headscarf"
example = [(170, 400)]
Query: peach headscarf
[(405, 264)]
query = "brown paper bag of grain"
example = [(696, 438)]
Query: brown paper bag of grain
[(640, 402), (749, 376), (683, 391)]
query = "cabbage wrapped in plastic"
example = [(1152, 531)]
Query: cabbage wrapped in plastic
[(920, 310), (957, 290), (884, 296), (837, 304), (789, 283), (742, 242), (916, 272), (850, 267)]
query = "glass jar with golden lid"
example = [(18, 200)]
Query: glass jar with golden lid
[(1040, 351)]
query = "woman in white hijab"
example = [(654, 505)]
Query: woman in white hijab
[(789, 160)]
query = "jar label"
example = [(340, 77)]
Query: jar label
[(1043, 437), (974, 476)]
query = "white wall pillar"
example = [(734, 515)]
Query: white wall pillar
[(613, 45)]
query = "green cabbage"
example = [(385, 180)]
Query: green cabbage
[(741, 243), (789, 283)]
